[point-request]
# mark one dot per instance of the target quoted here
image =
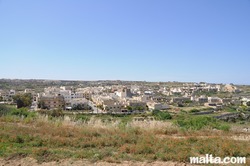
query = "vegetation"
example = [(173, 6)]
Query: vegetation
[(4, 110), (7, 110), (139, 108), (113, 138), (52, 113), (200, 122), (230, 109), (129, 108), (160, 115), (194, 110), (83, 118), (23, 100), (81, 107), (22, 112)]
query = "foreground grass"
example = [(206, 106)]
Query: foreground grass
[(51, 140), (114, 139)]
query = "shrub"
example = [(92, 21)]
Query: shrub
[(194, 110), (160, 115), (22, 112), (200, 122), (57, 113), (4, 110), (19, 139), (224, 127)]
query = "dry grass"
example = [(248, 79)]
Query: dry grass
[(51, 140)]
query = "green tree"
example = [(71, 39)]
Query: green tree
[(129, 108), (23, 100), (80, 107), (140, 108)]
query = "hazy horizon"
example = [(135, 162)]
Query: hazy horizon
[(159, 41), (120, 80)]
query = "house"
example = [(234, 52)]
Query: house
[(52, 102), (67, 96), (143, 98), (136, 105), (5, 95), (124, 93), (12, 93), (99, 99), (215, 100), (32, 91), (157, 106), (202, 99), (80, 103), (175, 91), (110, 106)]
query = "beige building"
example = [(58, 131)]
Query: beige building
[(215, 100), (154, 106), (157, 106), (111, 106), (202, 99), (52, 102), (143, 98), (124, 93), (137, 104)]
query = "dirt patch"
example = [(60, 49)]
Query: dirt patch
[(241, 137), (16, 156), (32, 162)]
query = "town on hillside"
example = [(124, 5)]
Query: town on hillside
[(131, 97)]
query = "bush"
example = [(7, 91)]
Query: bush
[(160, 115), (200, 122), (57, 113), (194, 110), (19, 139), (224, 127), (4, 110), (22, 112)]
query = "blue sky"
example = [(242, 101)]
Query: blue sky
[(151, 40)]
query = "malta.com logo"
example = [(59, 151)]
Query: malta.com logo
[(209, 159)]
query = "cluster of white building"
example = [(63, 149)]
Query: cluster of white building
[(118, 98)]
